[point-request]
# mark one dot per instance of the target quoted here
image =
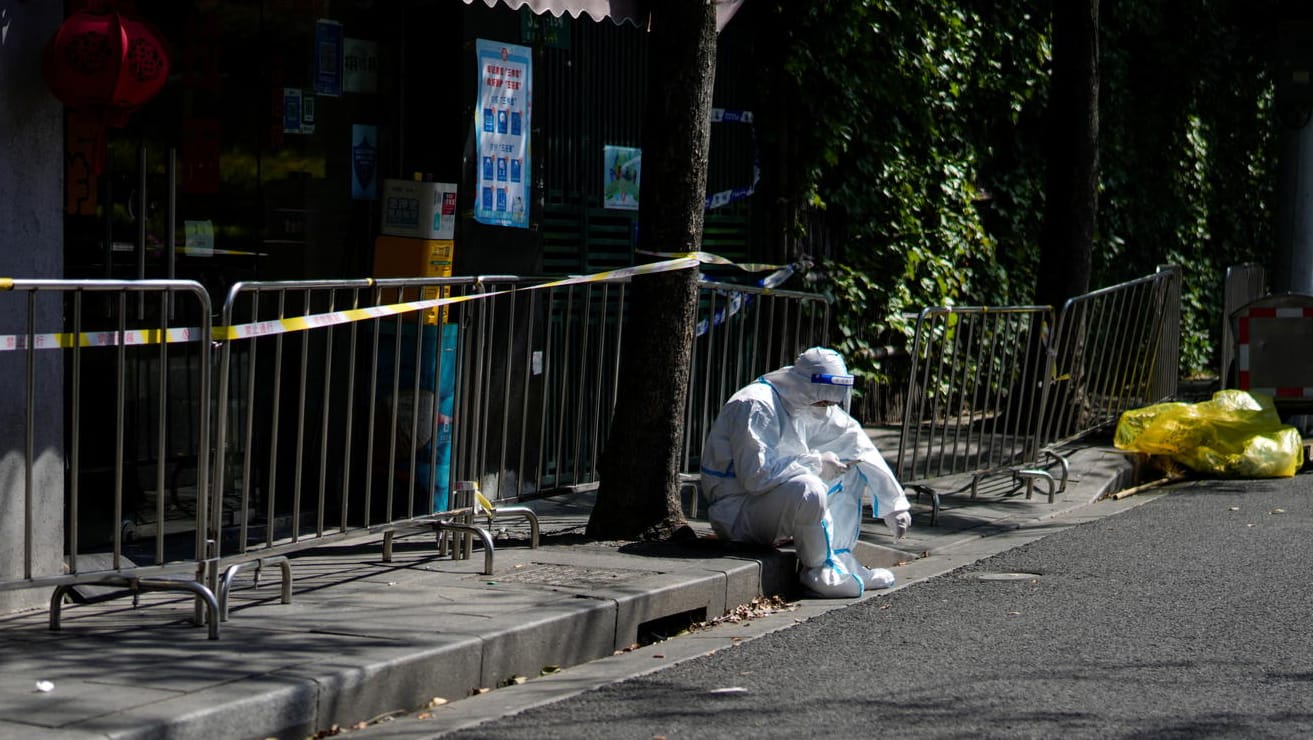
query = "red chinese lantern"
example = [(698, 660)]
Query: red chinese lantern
[(103, 65)]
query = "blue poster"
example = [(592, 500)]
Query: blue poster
[(328, 58), (437, 391), (446, 415), (291, 110), (364, 162), (502, 125)]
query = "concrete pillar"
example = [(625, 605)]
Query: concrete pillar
[(31, 246)]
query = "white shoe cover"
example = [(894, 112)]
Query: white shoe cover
[(872, 578), (832, 583)]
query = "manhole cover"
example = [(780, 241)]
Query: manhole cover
[(1007, 576), (568, 576)]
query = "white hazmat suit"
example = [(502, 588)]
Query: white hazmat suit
[(785, 460)]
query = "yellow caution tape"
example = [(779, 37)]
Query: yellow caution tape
[(301, 323), (680, 262), (707, 258), (316, 321)]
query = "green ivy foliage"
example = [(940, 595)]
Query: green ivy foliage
[(1188, 150), (920, 126)]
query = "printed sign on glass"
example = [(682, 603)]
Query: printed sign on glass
[(359, 66), (364, 161), (620, 181), (328, 58)]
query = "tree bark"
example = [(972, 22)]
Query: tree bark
[(1071, 187), (638, 497)]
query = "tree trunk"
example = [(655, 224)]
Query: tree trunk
[(1071, 190), (639, 492)]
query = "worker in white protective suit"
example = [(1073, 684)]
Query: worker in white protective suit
[(785, 460)]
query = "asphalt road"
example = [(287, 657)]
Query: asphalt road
[(1187, 616)]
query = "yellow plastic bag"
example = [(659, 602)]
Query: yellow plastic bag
[(1236, 434)]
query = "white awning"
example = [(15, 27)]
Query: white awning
[(619, 11)]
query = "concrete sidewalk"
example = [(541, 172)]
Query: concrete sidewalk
[(363, 638)]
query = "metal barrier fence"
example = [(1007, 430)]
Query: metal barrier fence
[(973, 400), (519, 379), (1002, 390), (537, 378), (555, 354), (336, 404), (743, 332), (562, 372), (1114, 349), (346, 409), (115, 429)]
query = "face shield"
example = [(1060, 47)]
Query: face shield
[(816, 380)]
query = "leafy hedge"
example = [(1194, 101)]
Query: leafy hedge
[(919, 125)]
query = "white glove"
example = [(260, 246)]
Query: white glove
[(898, 523), (831, 466)]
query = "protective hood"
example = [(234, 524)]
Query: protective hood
[(819, 374)]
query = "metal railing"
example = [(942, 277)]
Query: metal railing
[(346, 409), (554, 353), (997, 390), (1114, 349), (537, 379), (974, 399), (331, 428), (743, 332), (335, 402), (333, 410), (115, 414)]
